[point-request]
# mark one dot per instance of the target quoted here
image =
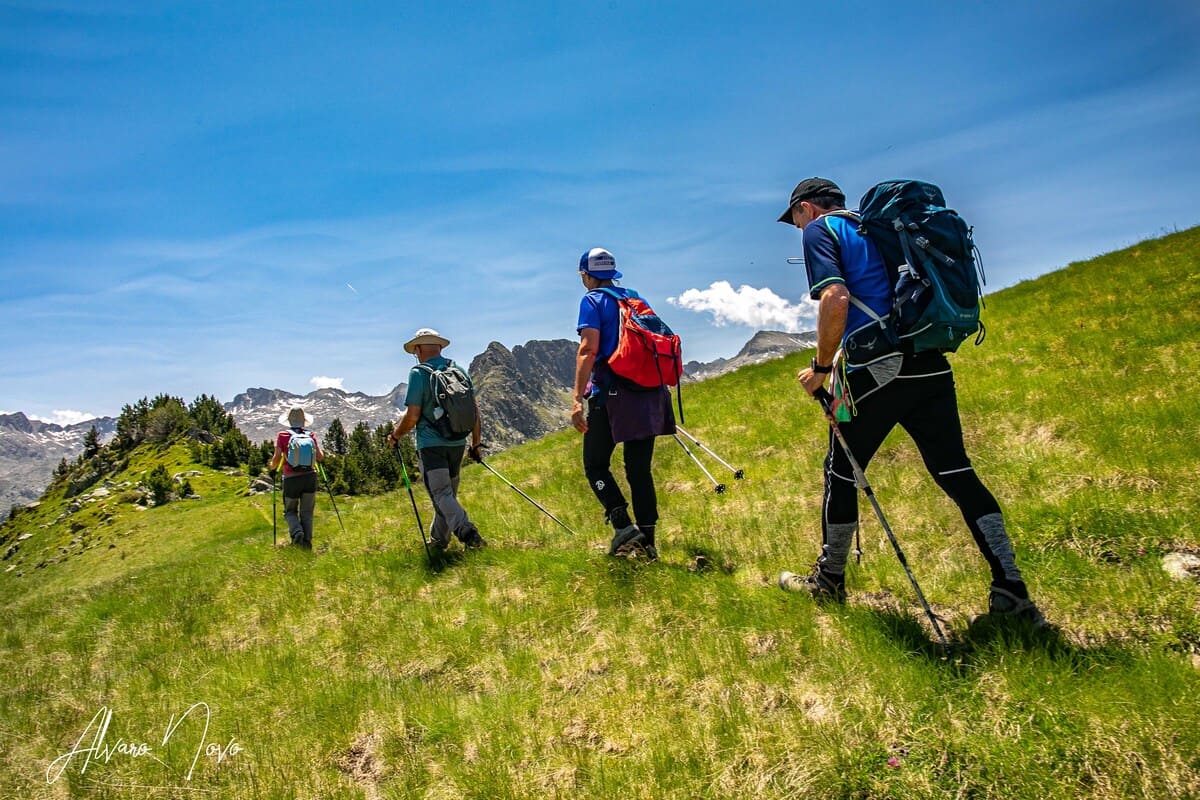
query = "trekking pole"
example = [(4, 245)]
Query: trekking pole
[(737, 473), (860, 479), (325, 480), (274, 514), (719, 487), (527, 497), (411, 497)]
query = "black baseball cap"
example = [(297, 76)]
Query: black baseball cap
[(808, 189)]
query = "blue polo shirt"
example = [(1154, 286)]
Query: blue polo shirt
[(835, 252)]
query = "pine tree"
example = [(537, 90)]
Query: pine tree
[(254, 462), (159, 483), (335, 438), (360, 461), (208, 414), (91, 443), (387, 461)]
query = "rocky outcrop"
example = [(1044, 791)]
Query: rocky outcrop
[(523, 393)]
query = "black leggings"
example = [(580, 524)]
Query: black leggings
[(927, 408), (598, 448)]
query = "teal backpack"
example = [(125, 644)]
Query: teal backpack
[(929, 250)]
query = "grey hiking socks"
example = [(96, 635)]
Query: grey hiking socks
[(991, 526), (836, 549)]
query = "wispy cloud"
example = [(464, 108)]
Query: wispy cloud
[(322, 382), (756, 308)]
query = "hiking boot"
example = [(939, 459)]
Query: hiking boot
[(818, 584), (648, 542), (1004, 604), (623, 539), (470, 538)]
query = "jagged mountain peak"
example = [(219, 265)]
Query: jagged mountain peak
[(775, 341)]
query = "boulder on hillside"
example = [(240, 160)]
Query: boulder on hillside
[(1182, 566)]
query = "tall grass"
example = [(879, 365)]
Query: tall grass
[(542, 668)]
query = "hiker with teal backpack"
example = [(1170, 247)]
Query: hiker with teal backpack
[(884, 326), (299, 454), (627, 357), (440, 405)]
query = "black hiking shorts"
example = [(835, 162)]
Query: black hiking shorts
[(299, 485)]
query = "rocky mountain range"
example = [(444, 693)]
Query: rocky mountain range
[(523, 393), (763, 346), (31, 449)]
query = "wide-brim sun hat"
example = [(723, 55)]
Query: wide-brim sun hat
[(425, 336), (599, 263), (296, 418)]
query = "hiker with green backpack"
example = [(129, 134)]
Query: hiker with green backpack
[(299, 455), (440, 405), (896, 291)]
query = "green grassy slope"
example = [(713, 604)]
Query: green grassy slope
[(541, 668)]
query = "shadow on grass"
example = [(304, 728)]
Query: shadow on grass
[(988, 639), (441, 560)]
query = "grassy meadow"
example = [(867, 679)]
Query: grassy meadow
[(540, 667)]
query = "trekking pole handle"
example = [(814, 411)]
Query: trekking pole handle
[(823, 397)]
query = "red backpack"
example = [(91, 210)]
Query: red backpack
[(648, 353)]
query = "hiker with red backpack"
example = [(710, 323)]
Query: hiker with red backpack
[(297, 452), (896, 291), (626, 360)]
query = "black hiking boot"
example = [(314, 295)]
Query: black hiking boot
[(471, 539), (624, 531), (818, 584), (625, 541), (648, 542)]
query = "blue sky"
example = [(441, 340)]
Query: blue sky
[(205, 197)]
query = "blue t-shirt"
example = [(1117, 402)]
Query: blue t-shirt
[(601, 311), (420, 394), (835, 252)]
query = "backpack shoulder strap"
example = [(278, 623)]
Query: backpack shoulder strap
[(866, 309), (615, 295), (853, 216)]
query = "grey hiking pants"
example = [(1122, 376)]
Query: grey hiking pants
[(440, 468), (299, 500)]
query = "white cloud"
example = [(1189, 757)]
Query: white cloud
[(322, 382), (65, 416), (757, 308)]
